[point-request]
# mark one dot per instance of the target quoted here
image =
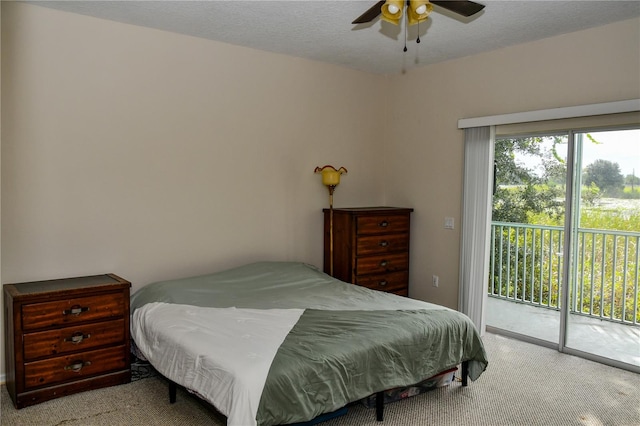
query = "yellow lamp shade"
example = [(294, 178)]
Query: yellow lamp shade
[(392, 11), (418, 11), (330, 175)]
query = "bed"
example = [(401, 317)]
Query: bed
[(273, 343)]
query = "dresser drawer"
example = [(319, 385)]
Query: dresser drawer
[(379, 244), (382, 223), (72, 311), (382, 264), (74, 366), (72, 339), (392, 282)]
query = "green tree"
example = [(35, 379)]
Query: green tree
[(632, 180), (521, 190), (605, 175), (591, 194), (509, 171)]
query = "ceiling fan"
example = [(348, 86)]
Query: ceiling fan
[(417, 10)]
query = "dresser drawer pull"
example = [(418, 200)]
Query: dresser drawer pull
[(75, 310), (383, 243), (77, 338), (382, 283), (383, 224), (77, 366), (384, 263)]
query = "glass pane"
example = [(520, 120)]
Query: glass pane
[(527, 238), (603, 317)]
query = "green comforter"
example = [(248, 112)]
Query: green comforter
[(349, 343)]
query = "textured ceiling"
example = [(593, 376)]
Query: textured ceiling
[(322, 30)]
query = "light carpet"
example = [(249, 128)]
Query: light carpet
[(524, 384)]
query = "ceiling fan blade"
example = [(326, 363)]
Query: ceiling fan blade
[(372, 13), (464, 8)]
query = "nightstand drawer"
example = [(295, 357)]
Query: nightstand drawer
[(378, 244), (72, 311), (393, 282), (72, 339), (75, 366), (382, 264), (382, 223)]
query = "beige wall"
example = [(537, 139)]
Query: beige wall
[(425, 149), (155, 155), (151, 154)]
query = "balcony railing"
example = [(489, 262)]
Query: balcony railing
[(527, 265)]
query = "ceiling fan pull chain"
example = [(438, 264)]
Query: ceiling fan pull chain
[(406, 25), (418, 39)]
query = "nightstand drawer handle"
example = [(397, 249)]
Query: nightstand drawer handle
[(77, 366), (77, 338), (383, 224), (75, 310), (383, 283), (383, 243), (384, 263)]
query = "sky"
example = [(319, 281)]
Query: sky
[(621, 146)]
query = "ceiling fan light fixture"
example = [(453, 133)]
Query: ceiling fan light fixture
[(464, 8), (392, 11)]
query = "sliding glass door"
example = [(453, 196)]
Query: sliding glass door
[(564, 244), (602, 312), (526, 258)]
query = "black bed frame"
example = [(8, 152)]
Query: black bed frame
[(173, 387)]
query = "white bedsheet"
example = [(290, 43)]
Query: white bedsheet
[(229, 347)]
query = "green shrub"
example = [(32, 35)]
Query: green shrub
[(629, 194)]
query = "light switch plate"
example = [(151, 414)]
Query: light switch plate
[(448, 222)]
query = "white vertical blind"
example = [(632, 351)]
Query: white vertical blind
[(476, 221)]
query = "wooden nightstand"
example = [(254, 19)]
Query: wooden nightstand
[(370, 247), (66, 336)]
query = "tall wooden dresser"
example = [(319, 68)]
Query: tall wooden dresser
[(66, 336), (370, 247)]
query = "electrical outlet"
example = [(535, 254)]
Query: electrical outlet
[(436, 280)]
